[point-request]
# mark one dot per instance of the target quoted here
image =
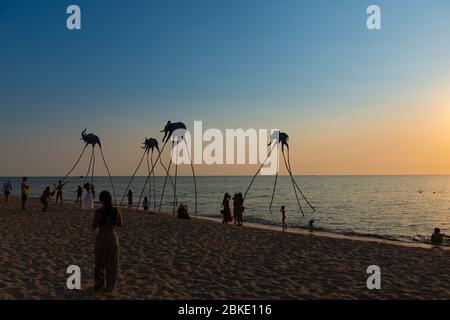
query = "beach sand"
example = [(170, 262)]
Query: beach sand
[(166, 258)]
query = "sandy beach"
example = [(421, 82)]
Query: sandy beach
[(166, 258)]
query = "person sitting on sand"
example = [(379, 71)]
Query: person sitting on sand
[(130, 198), (226, 209), (106, 219), (46, 194), (283, 217), (182, 212), (59, 192), (24, 191), (7, 190), (145, 204), (437, 237), (79, 194)]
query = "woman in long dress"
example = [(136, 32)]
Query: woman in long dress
[(226, 209), (88, 200)]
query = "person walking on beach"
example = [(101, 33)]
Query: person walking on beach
[(226, 209), (93, 192), (7, 190), (59, 191), (107, 247), (238, 208), (145, 204), (79, 194), (88, 200), (437, 237), (130, 198), (234, 207), (283, 217), (46, 194), (24, 191)]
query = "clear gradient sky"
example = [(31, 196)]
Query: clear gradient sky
[(353, 101)]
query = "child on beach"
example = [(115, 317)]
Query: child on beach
[(24, 191), (79, 194), (46, 194), (59, 191), (145, 204), (283, 217), (7, 190), (437, 237)]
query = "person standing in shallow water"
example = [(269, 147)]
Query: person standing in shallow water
[(130, 198), (283, 217), (106, 219)]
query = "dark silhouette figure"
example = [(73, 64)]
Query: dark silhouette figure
[(79, 194), (170, 128), (46, 194), (59, 191), (106, 219), (90, 138), (437, 238), (130, 198), (226, 209), (283, 217)]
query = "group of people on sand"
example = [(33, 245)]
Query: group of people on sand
[(238, 208), (86, 203)]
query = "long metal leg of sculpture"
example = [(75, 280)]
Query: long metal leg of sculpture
[(295, 182), (165, 182), (193, 175), (76, 163), (132, 177), (109, 174), (293, 185), (262, 165)]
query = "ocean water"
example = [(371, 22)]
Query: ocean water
[(405, 208)]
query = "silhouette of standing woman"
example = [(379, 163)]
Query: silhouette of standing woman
[(106, 219), (226, 208)]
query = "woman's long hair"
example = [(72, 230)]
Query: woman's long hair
[(108, 209)]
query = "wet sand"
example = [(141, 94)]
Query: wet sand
[(166, 258)]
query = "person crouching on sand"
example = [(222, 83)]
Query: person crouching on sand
[(283, 217), (46, 194), (106, 219), (437, 238)]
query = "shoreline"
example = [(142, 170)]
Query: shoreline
[(163, 257), (305, 231)]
